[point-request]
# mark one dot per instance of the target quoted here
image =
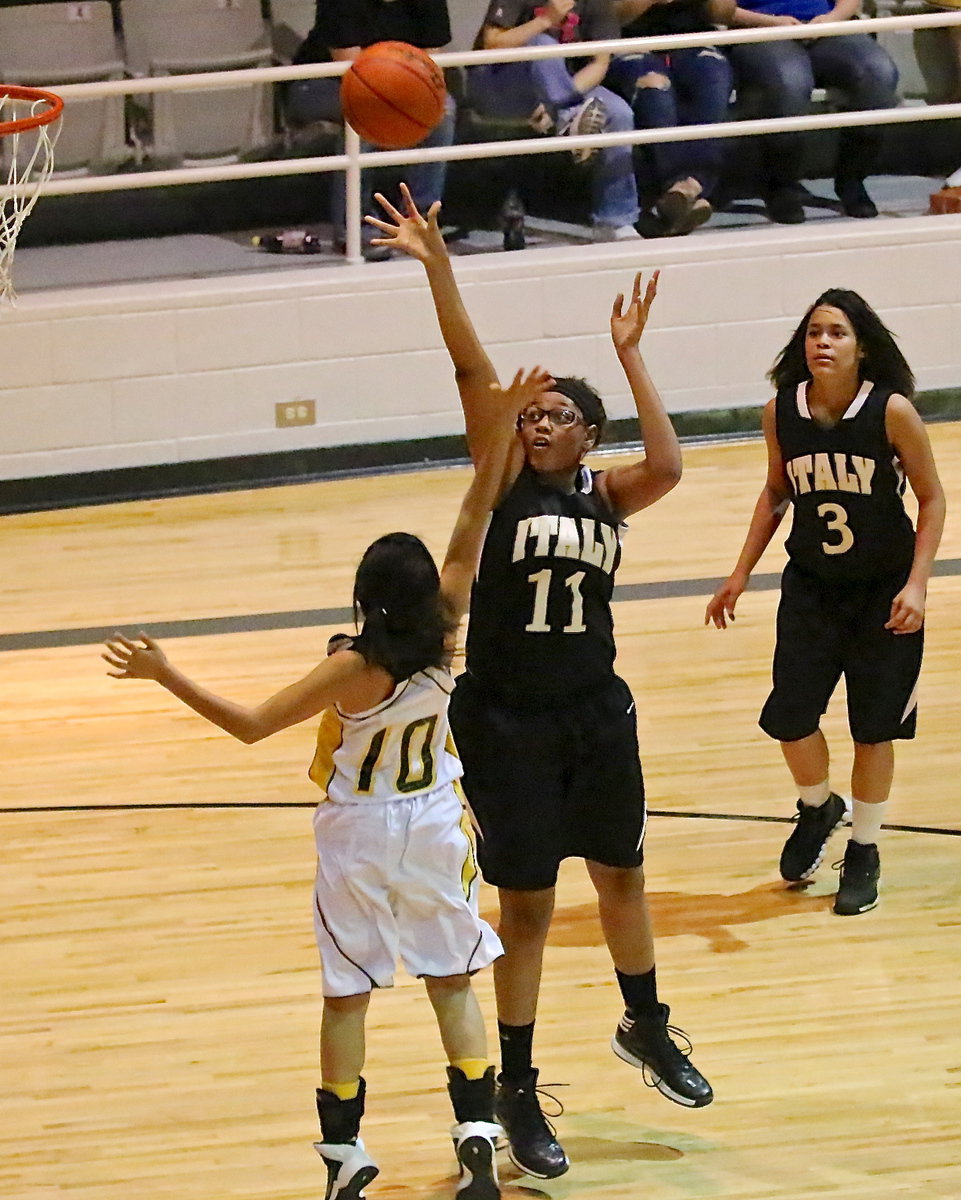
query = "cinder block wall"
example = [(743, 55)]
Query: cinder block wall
[(179, 371)]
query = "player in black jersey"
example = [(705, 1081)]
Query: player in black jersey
[(545, 729), (842, 435)]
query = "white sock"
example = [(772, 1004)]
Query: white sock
[(866, 822), (816, 795)]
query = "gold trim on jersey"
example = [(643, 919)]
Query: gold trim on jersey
[(330, 737), (469, 870)]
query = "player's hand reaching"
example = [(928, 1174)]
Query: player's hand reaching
[(135, 660), (721, 606), (628, 324), (523, 391), (907, 610), (410, 231)]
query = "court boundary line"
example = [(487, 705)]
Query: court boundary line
[(310, 617), (259, 805)]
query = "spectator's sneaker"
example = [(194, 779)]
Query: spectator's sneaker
[(512, 218), (372, 254), (858, 887), (588, 119), (474, 1144), (349, 1169), (783, 206), (804, 849), (681, 212), (615, 233), (854, 198), (649, 1046), (531, 1141)]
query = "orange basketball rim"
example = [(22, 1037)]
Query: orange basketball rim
[(32, 96), (27, 116)]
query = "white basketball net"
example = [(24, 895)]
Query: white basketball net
[(27, 159)]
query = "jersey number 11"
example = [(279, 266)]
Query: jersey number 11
[(542, 581)]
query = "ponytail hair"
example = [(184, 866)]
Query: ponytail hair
[(397, 600), (881, 359)]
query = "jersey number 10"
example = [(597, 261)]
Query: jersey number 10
[(407, 780)]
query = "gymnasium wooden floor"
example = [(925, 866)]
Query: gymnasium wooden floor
[(161, 989)]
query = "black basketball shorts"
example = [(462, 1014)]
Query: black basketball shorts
[(546, 782), (825, 631)]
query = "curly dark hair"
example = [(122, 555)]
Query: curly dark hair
[(882, 361), (406, 626)]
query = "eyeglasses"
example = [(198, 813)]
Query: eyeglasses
[(557, 416)]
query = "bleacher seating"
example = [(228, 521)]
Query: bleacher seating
[(43, 45), (181, 37), (923, 56), (50, 43), (290, 22)]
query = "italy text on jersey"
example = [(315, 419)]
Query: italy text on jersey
[(818, 473), (583, 539)]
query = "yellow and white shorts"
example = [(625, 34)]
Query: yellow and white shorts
[(397, 880)]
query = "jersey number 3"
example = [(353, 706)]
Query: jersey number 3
[(542, 581), (837, 523)]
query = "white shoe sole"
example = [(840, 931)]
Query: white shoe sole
[(478, 1170)]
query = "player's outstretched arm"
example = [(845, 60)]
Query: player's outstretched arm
[(463, 551), (768, 512), (144, 659), (629, 489), (908, 436), (420, 237)]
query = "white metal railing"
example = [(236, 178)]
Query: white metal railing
[(353, 159)]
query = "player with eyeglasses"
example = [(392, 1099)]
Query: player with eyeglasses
[(556, 416), (545, 729)]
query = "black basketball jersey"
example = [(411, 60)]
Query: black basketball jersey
[(847, 487), (540, 615)]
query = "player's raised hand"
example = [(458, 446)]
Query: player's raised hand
[(409, 231), (720, 608), (627, 324), (525, 389), (142, 659)]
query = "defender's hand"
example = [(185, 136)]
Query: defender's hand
[(133, 661), (410, 231)]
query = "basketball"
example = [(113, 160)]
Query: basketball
[(393, 95)]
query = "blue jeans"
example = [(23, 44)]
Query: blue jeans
[(777, 78), (310, 100), (514, 90), (698, 93)]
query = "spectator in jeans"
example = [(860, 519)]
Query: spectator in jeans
[(563, 95), (683, 87), (782, 75), (341, 30)]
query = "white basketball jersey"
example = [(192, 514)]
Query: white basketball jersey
[(400, 748)]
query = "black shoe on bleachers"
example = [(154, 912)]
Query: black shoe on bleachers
[(854, 199), (783, 205)]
